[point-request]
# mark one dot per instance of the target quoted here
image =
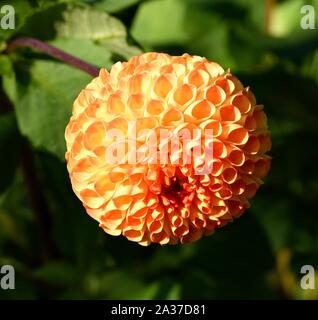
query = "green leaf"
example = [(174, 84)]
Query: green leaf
[(10, 149), (60, 22), (174, 292), (86, 50), (160, 22), (200, 27), (45, 95), (57, 273), (210, 36), (3, 45), (116, 285), (46, 17), (120, 47), (113, 6), (10, 86), (97, 26), (44, 3), (44, 103), (5, 65)]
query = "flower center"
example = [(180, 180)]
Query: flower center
[(177, 195)]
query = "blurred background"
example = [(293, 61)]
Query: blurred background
[(58, 251)]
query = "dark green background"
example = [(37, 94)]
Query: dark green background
[(58, 251)]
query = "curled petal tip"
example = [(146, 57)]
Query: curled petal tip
[(166, 149)]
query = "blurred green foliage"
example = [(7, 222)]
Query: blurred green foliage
[(259, 256)]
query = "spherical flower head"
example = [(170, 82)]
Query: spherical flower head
[(166, 149)]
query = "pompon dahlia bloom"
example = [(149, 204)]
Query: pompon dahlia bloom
[(132, 176)]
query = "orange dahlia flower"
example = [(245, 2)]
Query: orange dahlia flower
[(135, 178)]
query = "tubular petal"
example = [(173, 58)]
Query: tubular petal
[(189, 142)]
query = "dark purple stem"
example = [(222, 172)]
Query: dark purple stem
[(53, 52)]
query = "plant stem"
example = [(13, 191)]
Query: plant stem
[(39, 203), (269, 8), (53, 52)]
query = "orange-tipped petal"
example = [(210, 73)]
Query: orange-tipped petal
[(166, 149)]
